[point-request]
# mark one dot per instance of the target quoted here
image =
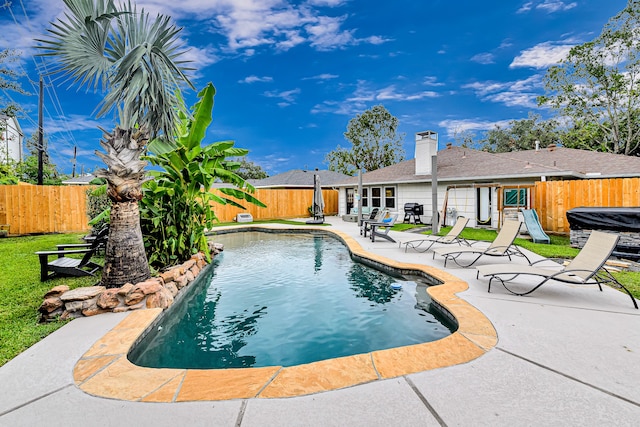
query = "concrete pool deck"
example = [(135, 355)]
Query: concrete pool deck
[(563, 356)]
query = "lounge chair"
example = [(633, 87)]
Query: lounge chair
[(386, 225), (585, 269), (453, 236), (501, 246), (67, 266)]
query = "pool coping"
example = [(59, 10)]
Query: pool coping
[(105, 371)]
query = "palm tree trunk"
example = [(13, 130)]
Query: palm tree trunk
[(125, 257)]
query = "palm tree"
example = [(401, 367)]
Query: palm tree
[(134, 60)]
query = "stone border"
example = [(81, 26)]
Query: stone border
[(105, 371), (156, 292)]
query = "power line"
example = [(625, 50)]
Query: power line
[(53, 95)]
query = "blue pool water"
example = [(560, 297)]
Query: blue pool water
[(278, 299)]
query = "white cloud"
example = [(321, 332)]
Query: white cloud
[(432, 81), (324, 76), (483, 58), (551, 6), (520, 93), (542, 55), (364, 97), (328, 3), (287, 96), (454, 127), (255, 79), (548, 6), (525, 7)]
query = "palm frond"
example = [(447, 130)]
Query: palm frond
[(131, 57)]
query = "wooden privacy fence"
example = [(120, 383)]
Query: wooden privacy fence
[(552, 199), (44, 208), (281, 203), (31, 209)]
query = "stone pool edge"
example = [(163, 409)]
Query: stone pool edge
[(105, 371)]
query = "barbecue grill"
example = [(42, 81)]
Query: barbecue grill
[(413, 211)]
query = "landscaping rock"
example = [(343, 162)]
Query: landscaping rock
[(125, 289), (124, 308), (80, 294), (73, 306), (181, 282), (68, 315), (56, 291), (195, 270), (161, 299), (168, 276), (93, 311), (171, 287), (50, 304), (190, 276), (109, 298), (156, 292), (133, 298), (147, 287)]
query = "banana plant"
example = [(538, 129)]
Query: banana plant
[(179, 206)]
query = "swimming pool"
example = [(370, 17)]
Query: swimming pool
[(273, 299)]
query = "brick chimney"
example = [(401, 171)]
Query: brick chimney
[(426, 147)]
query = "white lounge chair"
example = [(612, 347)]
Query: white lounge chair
[(584, 269), (453, 236), (501, 246)]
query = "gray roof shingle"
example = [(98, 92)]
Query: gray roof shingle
[(464, 164), (299, 178)]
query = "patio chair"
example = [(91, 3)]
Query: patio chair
[(67, 266), (501, 246), (585, 269), (453, 236), (101, 235), (375, 216), (386, 225)]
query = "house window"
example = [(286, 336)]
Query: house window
[(376, 197), (365, 197), (515, 197), (390, 197)]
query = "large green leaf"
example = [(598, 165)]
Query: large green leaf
[(202, 116)]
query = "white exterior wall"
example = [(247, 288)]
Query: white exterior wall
[(11, 140), (462, 199)]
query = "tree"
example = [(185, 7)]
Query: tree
[(8, 82), (521, 135), (375, 143), (597, 84), (28, 168), (250, 170), (135, 59)]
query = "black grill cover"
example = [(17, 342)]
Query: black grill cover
[(613, 219)]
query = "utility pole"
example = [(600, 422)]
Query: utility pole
[(40, 134), (75, 154)]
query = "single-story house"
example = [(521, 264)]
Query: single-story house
[(476, 184), (300, 179), (79, 180)]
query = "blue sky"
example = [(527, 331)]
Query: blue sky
[(291, 74)]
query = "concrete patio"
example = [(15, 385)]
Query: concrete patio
[(565, 356)]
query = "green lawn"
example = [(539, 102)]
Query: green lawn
[(21, 291)]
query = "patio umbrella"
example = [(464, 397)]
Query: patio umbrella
[(318, 201)]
